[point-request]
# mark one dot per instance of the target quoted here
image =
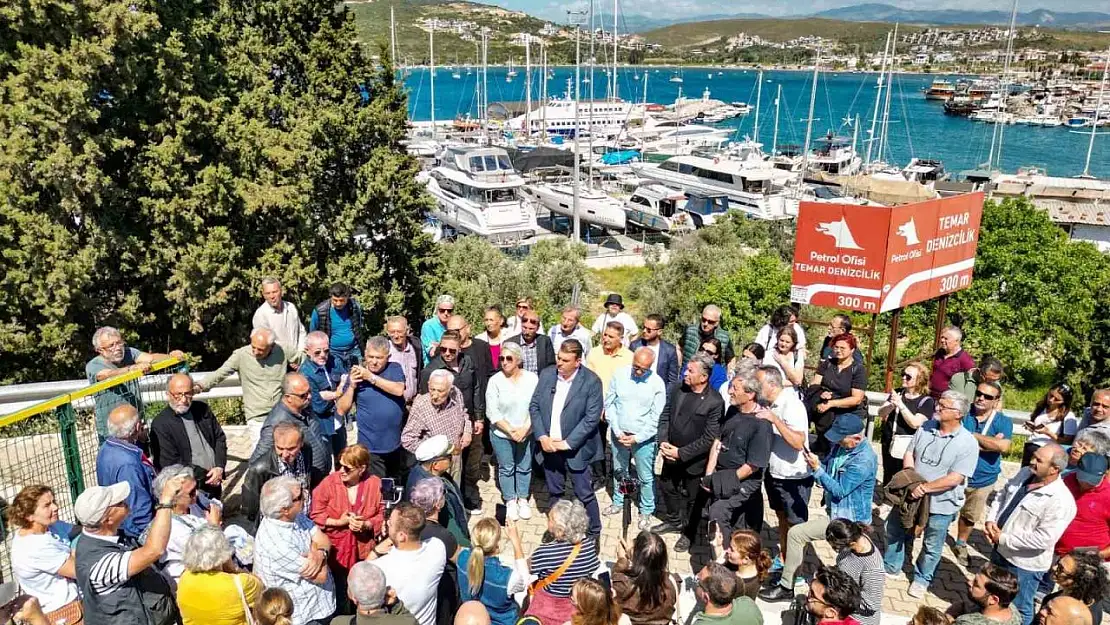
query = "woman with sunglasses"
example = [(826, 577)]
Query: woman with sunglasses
[(905, 410), (347, 506), (719, 375), (508, 394), (1080, 575), (188, 516), (1052, 421)]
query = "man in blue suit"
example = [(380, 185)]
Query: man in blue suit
[(667, 361), (565, 411)]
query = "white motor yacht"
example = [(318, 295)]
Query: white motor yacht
[(835, 155), (476, 191), (750, 188), (658, 207), (594, 206)]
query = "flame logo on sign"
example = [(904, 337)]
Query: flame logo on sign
[(908, 231), (840, 233)]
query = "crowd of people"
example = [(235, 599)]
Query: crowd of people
[(695, 437)]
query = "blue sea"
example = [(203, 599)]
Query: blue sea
[(917, 127)]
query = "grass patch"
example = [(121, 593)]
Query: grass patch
[(618, 280)]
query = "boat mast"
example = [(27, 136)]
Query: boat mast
[(613, 91), (883, 134), (577, 128), (878, 100), (809, 121), (528, 83), (485, 83), (392, 37), (758, 98), (1000, 114), (432, 74), (855, 134), (543, 91), (775, 134), (590, 110), (1098, 109)]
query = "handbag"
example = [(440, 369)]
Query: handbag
[(72, 613), (243, 597), (899, 445)]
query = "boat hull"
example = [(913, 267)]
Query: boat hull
[(594, 208)]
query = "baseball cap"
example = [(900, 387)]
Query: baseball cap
[(435, 447), (1090, 468), (844, 425), (95, 501)]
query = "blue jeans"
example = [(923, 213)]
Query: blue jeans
[(1028, 582), (643, 458), (898, 542), (514, 466)]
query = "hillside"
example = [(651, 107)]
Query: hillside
[(1040, 17), (372, 25), (869, 35)]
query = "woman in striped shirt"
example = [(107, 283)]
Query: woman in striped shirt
[(567, 523), (858, 557)]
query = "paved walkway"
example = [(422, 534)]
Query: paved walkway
[(948, 586)]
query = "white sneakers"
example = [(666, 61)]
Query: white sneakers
[(512, 512), (523, 509)]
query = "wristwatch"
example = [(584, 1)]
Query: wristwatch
[(163, 506)]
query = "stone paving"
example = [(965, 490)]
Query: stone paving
[(949, 585)]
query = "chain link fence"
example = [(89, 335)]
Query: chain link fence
[(55, 442)]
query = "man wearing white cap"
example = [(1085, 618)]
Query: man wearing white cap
[(434, 457), (118, 584)]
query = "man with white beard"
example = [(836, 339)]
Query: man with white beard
[(186, 432)]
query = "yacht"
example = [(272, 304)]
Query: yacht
[(658, 207), (941, 89), (594, 206), (476, 191), (608, 119), (686, 139), (836, 156), (750, 188), (676, 78)]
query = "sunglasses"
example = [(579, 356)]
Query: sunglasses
[(446, 310), (709, 322), (711, 352), (639, 369), (301, 395), (449, 350), (986, 396), (299, 497), (347, 468), (318, 352), (907, 377), (506, 359)]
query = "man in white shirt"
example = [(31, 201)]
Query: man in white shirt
[(280, 317), (411, 567), (569, 328), (1027, 519), (788, 480), (291, 553), (614, 311)]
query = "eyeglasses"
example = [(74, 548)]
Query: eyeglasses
[(709, 322), (181, 395), (347, 468), (449, 350), (446, 310), (907, 377), (935, 461), (639, 369), (506, 359), (985, 396), (711, 352), (319, 352), (301, 395)]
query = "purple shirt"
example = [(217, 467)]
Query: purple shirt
[(944, 367)]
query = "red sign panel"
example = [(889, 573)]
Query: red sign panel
[(875, 259)]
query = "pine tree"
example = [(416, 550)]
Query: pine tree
[(158, 158)]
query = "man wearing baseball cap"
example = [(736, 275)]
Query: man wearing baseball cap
[(119, 585), (848, 477), (433, 456), (1091, 489)]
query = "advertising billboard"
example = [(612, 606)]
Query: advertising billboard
[(875, 259)]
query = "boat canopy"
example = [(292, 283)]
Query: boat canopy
[(621, 157), (541, 157)]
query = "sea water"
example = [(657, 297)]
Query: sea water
[(916, 127)]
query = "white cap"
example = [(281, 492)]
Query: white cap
[(95, 501), (434, 447)]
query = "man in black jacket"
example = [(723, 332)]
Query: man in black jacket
[(687, 428), (289, 456), (186, 432), (536, 348), (450, 356), (296, 394)]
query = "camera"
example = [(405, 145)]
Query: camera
[(391, 495), (627, 484)]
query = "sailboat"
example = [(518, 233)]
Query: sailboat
[(455, 69), (512, 72), (676, 78)]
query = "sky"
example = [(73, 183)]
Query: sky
[(556, 9)]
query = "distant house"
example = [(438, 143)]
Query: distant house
[(1087, 221)]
